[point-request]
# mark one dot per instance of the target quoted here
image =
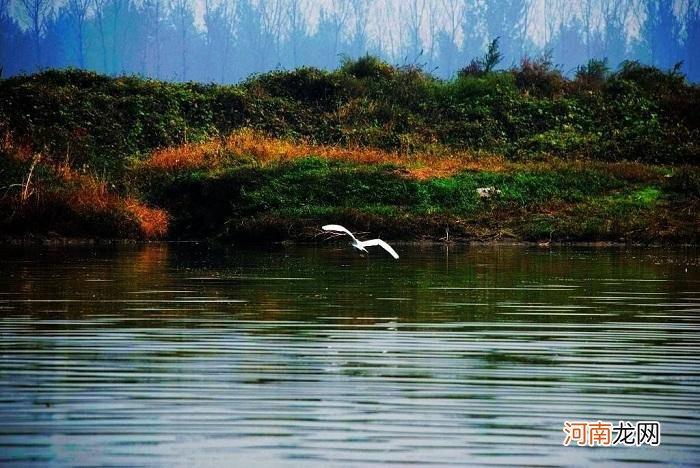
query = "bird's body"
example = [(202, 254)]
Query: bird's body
[(358, 244)]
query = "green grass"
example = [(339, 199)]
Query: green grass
[(287, 200)]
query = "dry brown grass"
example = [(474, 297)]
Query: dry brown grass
[(626, 170), (84, 195), (258, 148), (634, 171), (89, 195), (253, 147), (152, 222), (92, 198), (10, 146)]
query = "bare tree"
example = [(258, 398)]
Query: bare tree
[(340, 14), (587, 21), (155, 9), (360, 13), (219, 19), (447, 40), (474, 28), (507, 19), (414, 19), (434, 24), (547, 20), (99, 6), (453, 10), (386, 13), (36, 13), (182, 14), (615, 16), (78, 11), (296, 24), (271, 27), (659, 31)]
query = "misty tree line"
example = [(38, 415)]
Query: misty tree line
[(227, 40)]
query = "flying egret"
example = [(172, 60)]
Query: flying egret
[(358, 244)]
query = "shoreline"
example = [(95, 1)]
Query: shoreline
[(86, 241)]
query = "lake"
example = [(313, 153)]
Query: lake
[(185, 354)]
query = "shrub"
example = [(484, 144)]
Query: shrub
[(486, 64), (310, 86), (367, 66), (537, 76), (593, 74), (652, 79)]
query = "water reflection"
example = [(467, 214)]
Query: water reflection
[(185, 354)]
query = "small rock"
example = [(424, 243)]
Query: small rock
[(487, 192)]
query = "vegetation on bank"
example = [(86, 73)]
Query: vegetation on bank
[(605, 156)]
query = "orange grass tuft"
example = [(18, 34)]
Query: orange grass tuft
[(153, 222), (251, 145), (630, 170), (89, 195), (189, 155), (84, 194), (91, 198)]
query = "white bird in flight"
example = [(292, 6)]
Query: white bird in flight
[(358, 244)]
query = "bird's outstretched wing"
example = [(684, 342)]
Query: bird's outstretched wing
[(381, 243), (338, 228)]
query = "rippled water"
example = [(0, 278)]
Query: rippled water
[(184, 354)]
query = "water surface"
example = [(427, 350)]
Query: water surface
[(186, 354)]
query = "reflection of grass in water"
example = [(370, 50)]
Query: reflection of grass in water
[(338, 275)]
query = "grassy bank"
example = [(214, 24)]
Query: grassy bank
[(603, 157), (250, 186)]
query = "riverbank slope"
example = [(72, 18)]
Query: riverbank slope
[(391, 151)]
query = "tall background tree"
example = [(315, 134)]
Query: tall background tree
[(36, 13), (78, 13), (660, 33), (692, 39), (220, 23), (507, 19)]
